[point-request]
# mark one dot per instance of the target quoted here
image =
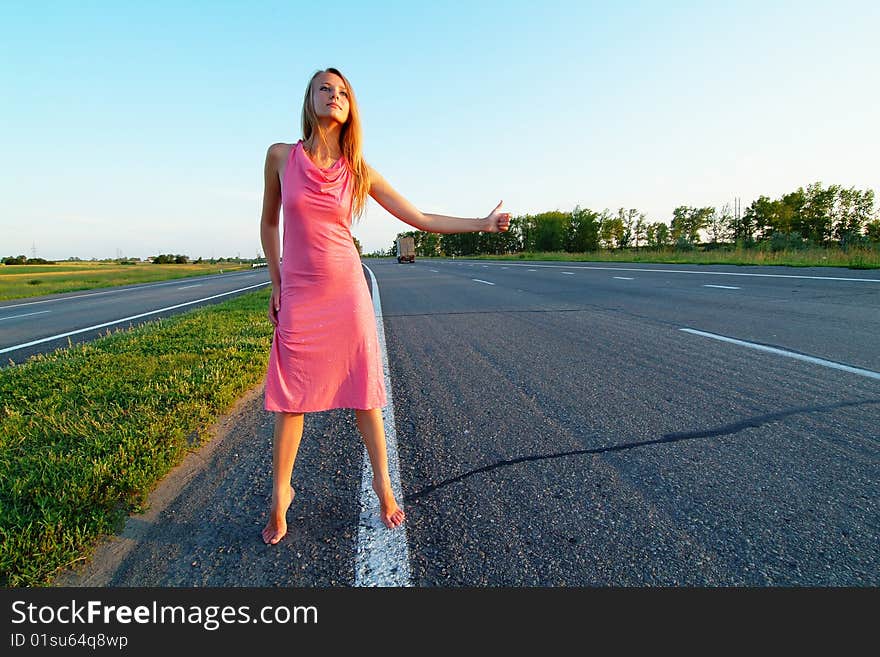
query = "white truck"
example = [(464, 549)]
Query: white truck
[(406, 249)]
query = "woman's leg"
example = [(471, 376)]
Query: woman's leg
[(372, 430), (288, 433)]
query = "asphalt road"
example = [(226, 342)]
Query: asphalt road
[(43, 324), (557, 427)]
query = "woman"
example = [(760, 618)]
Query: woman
[(325, 351)]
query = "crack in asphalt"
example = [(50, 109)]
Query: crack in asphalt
[(724, 430)]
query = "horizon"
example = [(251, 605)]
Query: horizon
[(141, 130)]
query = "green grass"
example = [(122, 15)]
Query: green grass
[(853, 258), (86, 432), (21, 281)]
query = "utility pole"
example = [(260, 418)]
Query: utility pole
[(34, 251)]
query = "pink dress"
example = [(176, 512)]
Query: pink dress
[(325, 350)]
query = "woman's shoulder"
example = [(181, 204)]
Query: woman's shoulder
[(280, 149), (278, 154)]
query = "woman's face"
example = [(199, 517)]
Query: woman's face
[(330, 97)]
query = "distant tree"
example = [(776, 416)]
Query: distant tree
[(525, 225), (863, 209), (582, 231), (758, 219), (610, 230), (510, 241), (640, 231), (687, 222), (651, 234), (541, 232), (852, 213), (502, 242), (679, 224), (657, 234), (719, 224), (603, 216), (783, 214), (428, 244), (550, 231), (606, 231), (816, 213), (459, 244), (625, 227)]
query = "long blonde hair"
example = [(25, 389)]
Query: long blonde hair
[(350, 141)]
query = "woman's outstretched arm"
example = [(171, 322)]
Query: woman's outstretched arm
[(386, 196)]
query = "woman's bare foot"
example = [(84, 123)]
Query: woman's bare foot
[(276, 527), (392, 515)]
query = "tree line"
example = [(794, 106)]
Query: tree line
[(815, 216), (162, 259)]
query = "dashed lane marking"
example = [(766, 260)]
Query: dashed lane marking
[(788, 354), (42, 312)]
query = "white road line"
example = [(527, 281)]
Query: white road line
[(126, 319), (723, 287), (75, 296), (532, 270), (705, 273), (790, 354), (115, 290), (434, 270), (570, 273), (42, 312), (624, 278), (186, 287), (382, 554), (479, 281)]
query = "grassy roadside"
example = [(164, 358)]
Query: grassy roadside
[(853, 258), (87, 432), (21, 281)]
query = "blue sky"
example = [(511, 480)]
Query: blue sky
[(142, 128)]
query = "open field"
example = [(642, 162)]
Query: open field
[(21, 281), (86, 432)]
